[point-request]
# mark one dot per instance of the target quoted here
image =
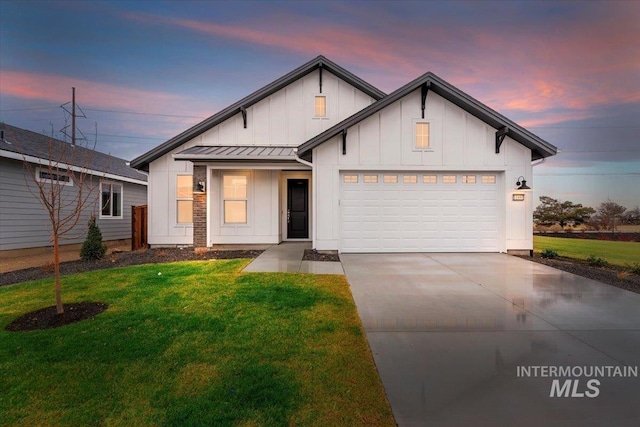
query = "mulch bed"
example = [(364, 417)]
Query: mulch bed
[(610, 275), (123, 259), (48, 318), (313, 255)]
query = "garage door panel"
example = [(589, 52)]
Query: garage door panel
[(418, 216)]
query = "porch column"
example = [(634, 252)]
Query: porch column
[(199, 208)]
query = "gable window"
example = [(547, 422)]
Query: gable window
[(234, 195), (449, 179), (52, 176), (184, 199), (370, 179), (350, 179), (468, 179), (488, 179), (422, 135), (430, 179), (320, 106), (110, 200)]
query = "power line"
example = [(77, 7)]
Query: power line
[(144, 114), (27, 109)]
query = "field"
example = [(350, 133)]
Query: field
[(191, 343), (616, 253)]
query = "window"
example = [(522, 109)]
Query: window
[(110, 200), (321, 106), (350, 179), (390, 179), (422, 135), (468, 179), (488, 179), (410, 179), (234, 195), (430, 179), (184, 199), (371, 179), (53, 176), (449, 179)]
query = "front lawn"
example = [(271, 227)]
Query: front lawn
[(198, 344), (615, 253)]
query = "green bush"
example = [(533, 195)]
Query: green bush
[(93, 247), (596, 262), (549, 253), (634, 268)]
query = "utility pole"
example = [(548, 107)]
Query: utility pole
[(73, 116)]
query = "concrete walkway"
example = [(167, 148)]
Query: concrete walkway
[(456, 337), (287, 258)]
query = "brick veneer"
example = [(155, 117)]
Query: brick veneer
[(199, 208)]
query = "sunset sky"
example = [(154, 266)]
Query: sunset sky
[(145, 71)]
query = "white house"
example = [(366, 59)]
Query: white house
[(321, 155)]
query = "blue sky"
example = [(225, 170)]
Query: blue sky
[(145, 71)]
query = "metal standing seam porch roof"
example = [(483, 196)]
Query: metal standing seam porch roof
[(237, 153)]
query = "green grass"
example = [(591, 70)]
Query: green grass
[(200, 344), (615, 253)]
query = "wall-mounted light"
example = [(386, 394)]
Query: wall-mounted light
[(522, 184), (201, 188)]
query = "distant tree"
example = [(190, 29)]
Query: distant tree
[(632, 216), (64, 187), (93, 248), (610, 213), (552, 211)]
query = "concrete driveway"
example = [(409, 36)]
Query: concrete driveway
[(453, 336)]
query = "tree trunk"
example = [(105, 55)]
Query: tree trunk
[(56, 266)]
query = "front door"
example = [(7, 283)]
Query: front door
[(297, 208)]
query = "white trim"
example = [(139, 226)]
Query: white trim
[(44, 162), (112, 183)]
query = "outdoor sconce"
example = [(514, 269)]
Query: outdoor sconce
[(522, 184), (201, 188)]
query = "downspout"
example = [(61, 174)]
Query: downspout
[(299, 160)]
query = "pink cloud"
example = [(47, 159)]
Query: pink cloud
[(91, 94)]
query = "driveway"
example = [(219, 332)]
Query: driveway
[(450, 332)]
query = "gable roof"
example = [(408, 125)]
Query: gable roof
[(142, 162), (17, 142), (539, 147)]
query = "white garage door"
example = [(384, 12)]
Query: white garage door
[(419, 212)]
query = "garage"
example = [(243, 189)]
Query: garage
[(419, 211)]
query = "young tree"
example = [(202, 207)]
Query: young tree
[(93, 248), (552, 211), (59, 179), (611, 212)]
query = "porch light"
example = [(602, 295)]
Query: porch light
[(201, 188), (522, 184)]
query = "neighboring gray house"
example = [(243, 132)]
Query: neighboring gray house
[(24, 222)]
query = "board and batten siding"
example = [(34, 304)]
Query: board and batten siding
[(24, 223), (285, 118), (385, 142)]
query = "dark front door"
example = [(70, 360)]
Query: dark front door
[(298, 208)]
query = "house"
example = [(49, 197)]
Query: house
[(321, 155), (24, 222)]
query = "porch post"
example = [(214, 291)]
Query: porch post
[(199, 208)]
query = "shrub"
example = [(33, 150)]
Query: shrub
[(93, 247), (549, 253), (634, 268), (596, 262)]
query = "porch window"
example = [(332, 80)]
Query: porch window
[(184, 199), (110, 200), (235, 198)]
